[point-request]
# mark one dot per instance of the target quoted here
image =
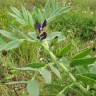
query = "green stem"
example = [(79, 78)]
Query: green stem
[(67, 71), (67, 87), (62, 66)]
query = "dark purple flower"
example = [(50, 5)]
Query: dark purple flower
[(42, 33), (42, 36), (41, 26), (44, 23)]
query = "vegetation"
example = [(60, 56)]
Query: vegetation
[(47, 49)]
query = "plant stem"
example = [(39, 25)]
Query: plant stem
[(62, 66), (67, 87), (67, 71)]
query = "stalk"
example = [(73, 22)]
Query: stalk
[(53, 57)]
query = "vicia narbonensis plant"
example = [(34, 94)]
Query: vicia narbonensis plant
[(39, 20)]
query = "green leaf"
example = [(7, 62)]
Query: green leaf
[(55, 70), (88, 78), (38, 15), (65, 61), (33, 35), (90, 75), (2, 40), (54, 9), (57, 35), (46, 75), (36, 65), (27, 17), (16, 12), (33, 88), (11, 45), (48, 8), (25, 14), (82, 69), (58, 13), (24, 17), (9, 35), (82, 54), (66, 49), (83, 62), (60, 52), (17, 15), (31, 20), (92, 68)]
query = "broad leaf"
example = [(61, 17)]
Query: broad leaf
[(90, 75), (2, 41), (83, 62), (82, 69), (82, 54), (33, 88), (65, 61), (46, 75), (57, 35), (9, 35), (11, 45), (33, 35), (92, 68), (88, 78)]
